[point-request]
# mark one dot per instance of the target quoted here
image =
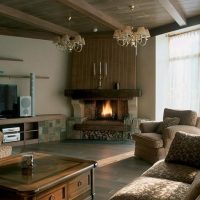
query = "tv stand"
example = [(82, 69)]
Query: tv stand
[(37, 129)]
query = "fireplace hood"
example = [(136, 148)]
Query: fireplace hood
[(98, 94)]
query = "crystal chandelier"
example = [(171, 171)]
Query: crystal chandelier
[(131, 36), (128, 36), (69, 43)]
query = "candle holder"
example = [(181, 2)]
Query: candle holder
[(97, 73)]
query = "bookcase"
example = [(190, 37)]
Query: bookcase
[(38, 129)]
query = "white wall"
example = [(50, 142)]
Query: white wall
[(42, 58), (146, 79)]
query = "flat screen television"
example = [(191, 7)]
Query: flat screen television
[(8, 101)]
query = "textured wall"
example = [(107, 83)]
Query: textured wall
[(120, 64)]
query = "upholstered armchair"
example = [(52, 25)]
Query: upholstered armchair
[(153, 143), (5, 150)]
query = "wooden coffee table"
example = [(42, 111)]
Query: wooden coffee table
[(52, 178)]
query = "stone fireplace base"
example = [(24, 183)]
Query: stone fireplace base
[(80, 127)]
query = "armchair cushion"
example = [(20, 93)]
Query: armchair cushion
[(187, 117), (150, 188), (171, 171), (185, 149), (168, 121)]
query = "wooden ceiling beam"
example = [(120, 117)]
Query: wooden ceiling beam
[(175, 12), (27, 33), (92, 12), (34, 21)]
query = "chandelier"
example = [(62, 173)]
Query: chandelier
[(128, 36), (132, 36), (69, 43)]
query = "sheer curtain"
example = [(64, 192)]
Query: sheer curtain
[(184, 71)]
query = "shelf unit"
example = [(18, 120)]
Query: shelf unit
[(29, 127)]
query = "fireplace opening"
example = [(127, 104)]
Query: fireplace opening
[(106, 109)]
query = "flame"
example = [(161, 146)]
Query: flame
[(107, 109)]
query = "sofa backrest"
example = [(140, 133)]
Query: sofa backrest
[(187, 117)]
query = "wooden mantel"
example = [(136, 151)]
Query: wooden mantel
[(93, 94)]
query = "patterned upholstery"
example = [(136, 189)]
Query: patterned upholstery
[(5, 150), (185, 149), (148, 188), (194, 191), (175, 172), (163, 181)]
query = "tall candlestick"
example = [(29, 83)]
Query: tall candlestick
[(105, 68), (100, 68), (94, 69)]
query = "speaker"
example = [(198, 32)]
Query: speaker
[(24, 103)]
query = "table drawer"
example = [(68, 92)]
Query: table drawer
[(79, 185), (58, 193)]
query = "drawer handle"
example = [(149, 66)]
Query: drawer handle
[(79, 183), (52, 197)]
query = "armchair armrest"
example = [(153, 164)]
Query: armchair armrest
[(149, 127), (1, 137), (169, 133), (198, 122)]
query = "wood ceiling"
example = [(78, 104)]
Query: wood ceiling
[(47, 18)]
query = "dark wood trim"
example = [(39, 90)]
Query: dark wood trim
[(192, 21), (37, 118), (102, 127), (87, 9), (22, 76), (27, 33), (91, 94), (11, 59), (35, 21)]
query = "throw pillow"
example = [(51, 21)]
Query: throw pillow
[(168, 121), (185, 149)]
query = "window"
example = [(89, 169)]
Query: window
[(184, 71)]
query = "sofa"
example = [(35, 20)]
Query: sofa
[(5, 150), (153, 143), (177, 177)]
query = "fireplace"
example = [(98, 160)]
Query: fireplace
[(103, 119), (106, 109)]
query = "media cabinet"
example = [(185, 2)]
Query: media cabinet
[(37, 129)]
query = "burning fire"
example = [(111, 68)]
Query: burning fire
[(107, 109)]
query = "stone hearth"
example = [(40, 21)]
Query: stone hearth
[(84, 124)]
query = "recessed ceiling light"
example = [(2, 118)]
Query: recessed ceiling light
[(95, 29)]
